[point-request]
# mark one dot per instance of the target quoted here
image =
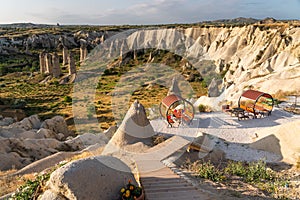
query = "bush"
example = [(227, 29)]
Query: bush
[(31, 189), (209, 171), (67, 99), (235, 168), (257, 171), (202, 108)]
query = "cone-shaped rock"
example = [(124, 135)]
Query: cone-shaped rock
[(134, 128), (174, 89)]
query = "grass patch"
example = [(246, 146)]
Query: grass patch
[(256, 174)]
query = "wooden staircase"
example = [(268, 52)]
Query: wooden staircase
[(164, 184)]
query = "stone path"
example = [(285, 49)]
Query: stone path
[(164, 184)]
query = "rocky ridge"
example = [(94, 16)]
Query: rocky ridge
[(249, 56), (30, 140)]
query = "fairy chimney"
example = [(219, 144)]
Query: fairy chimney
[(56, 66), (71, 62), (135, 127), (48, 61), (65, 53), (174, 89), (42, 62), (83, 50)]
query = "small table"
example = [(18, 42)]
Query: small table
[(237, 111), (240, 113)]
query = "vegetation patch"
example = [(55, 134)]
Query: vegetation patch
[(257, 174)]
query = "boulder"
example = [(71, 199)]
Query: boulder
[(56, 124), (48, 194), (82, 141), (99, 177), (282, 140), (15, 151), (12, 160), (6, 121), (46, 133), (32, 122)]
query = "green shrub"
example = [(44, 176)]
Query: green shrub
[(208, 171), (67, 99), (235, 168), (202, 108), (31, 189), (257, 171)]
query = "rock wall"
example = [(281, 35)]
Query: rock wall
[(16, 43), (30, 140), (260, 57), (251, 56)]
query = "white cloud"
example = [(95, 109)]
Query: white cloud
[(152, 12)]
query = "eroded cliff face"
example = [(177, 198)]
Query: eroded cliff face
[(262, 58), (257, 57), (17, 43)]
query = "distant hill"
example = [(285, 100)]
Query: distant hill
[(240, 20), (25, 25)]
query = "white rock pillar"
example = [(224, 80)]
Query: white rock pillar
[(72, 66), (83, 50), (56, 65), (65, 53), (42, 62), (48, 61)]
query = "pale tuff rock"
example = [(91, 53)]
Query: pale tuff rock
[(65, 53), (42, 62), (213, 88), (70, 181), (49, 65), (134, 128), (71, 62), (83, 50), (18, 152), (110, 131), (56, 124), (56, 66), (82, 141), (282, 140), (51, 195), (241, 53), (6, 121), (174, 89), (32, 122)]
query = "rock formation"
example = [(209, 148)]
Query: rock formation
[(24, 142), (282, 140), (174, 89), (213, 88), (249, 55), (134, 128), (71, 62), (65, 53), (42, 62), (99, 177), (48, 63), (83, 50), (56, 65)]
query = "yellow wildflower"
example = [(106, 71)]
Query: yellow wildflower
[(127, 193)]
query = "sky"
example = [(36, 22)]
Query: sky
[(117, 12)]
